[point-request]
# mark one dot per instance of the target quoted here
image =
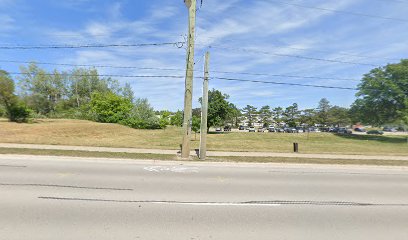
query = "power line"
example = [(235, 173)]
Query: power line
[(91, 65), (295, 56), (341, 11), (179, 69), (397, 1), (104, 75), (288, 76), (323, 51), (283, 83), (25, 47), (182, 77)]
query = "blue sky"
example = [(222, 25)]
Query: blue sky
[(242, 36)]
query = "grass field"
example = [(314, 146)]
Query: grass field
[(163, 157), (86, 133)]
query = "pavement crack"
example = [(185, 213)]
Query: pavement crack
[(63, 186), (12, 166), (246, 203)]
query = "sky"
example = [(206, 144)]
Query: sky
[(266, 37)]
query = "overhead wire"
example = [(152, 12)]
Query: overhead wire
[(319, 51), (91, 65), (294, 56), (284, 83), (104, 75), (340, 11), (180, 69), (25, 47)]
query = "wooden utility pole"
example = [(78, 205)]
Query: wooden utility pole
[(204, 110), (188, 94)]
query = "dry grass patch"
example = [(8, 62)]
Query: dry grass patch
[(86, 133)]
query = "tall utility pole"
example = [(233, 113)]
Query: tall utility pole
[(188, 94), (204, 110)]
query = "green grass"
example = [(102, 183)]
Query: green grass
[(86, 133), (162, 157), (310, 161), (69, 153)]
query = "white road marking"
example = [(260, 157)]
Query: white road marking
[(171, 169), (219, 204)]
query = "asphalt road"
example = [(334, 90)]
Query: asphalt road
[(67, 198)]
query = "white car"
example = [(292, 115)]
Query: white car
[(251, 129)]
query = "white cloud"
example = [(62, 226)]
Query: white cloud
[(7, 23), (237, 24)]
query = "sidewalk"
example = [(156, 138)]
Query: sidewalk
[(209, 153)]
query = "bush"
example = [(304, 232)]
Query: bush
[(140, 124), (109, 107), (18, 112), (3, 112), (177, 119)]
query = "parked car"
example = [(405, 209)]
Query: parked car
[(251, 129), (280, 130), (388, 129), (343, 130), (271, 129), (261, 129), (241, 128), (227, 129), (375, 132), (314, 129), (359, 129), (300, 130), (291, 130), (325, 129), (334, 130)]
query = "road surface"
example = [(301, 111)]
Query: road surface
[(71, 198)]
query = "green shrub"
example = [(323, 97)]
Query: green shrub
[(109, 107), (18, 112), (3, 112), (140, 124)]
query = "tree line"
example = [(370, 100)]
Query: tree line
[(382, 99), (81, 93)]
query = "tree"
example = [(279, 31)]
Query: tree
[(339, 116), (109, 107), (143, 116), (15, 110), (164, 119), (196, 112), (218, 108), (249, 112), (323, 112), (233, 115), (177, 119), (308, 117), (266, 115), (278, 114), (383, 95), (84, 82), (128, 93), (291, 115), (3, 112), (6, 89), (196, 125), (42, 91)]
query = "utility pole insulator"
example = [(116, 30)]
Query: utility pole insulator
[(188, 3)]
